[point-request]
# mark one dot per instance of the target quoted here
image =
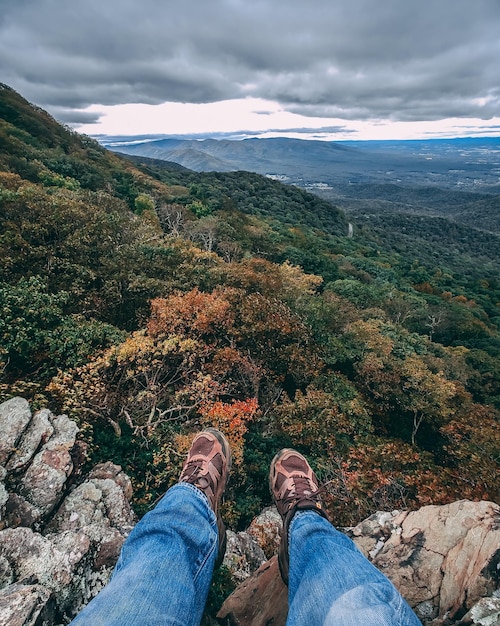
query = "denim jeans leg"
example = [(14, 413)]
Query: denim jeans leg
[(332, 583), (165, 567)]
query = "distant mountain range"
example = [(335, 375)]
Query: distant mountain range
[(466, 164)]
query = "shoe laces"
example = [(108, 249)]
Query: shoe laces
[(193, 470), (301, 489)]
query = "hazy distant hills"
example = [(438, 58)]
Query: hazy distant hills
[(458, 179), (279, 156), (464, 164)]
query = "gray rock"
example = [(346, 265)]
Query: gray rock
[(74, 562), (38, 432), (90, 528), (116, 504), (33, 557), (94, 504), (15, 415), (266, 529), (58, 544), (486, 612), (110, 470), (58, 566), (243, 555), (43, 483), (82, 508), (65, 431), (26, 605)]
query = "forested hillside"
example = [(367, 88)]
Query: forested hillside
[(147, 301)]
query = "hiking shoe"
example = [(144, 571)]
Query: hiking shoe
[(207, 467), (294, 487)]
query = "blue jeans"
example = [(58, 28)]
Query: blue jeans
[(165, 569)]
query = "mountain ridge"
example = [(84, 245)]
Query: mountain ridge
[(144, 301), (461, 164)]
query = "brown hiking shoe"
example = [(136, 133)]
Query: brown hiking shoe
[(294, 487), (207, 467)]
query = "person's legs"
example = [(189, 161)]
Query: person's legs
[(329, 579), (166, 564)]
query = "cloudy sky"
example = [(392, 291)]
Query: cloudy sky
[(332, 69)]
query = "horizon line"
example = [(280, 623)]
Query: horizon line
[(234, 137)]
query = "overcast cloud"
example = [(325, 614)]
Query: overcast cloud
[(403, 60)]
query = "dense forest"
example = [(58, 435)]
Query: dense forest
[(148, 301)]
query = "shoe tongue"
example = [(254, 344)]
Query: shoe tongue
[(303, 486)]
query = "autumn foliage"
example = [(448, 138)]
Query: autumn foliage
[(231, 418), (387, 428), (151, 306)]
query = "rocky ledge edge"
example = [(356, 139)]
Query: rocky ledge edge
[(61, 534)]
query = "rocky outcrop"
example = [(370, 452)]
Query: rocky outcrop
[(15, 415), (445, 560), (247, 551), (260, 600), (60, 534), (486, 612), (243, 555), (265, 530)]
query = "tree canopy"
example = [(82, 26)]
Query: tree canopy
[(148, 301)]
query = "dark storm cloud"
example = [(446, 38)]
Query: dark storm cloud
[(73, 117), (354, 59)]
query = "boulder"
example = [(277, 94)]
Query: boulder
[(60, 533), (114, 472), (38, 431), (443, 559), (15, 415), (266, 529), (243, 555), (26, 605), (259, 601), (45, 478)]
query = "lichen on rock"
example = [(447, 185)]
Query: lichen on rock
[(59, 537)]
